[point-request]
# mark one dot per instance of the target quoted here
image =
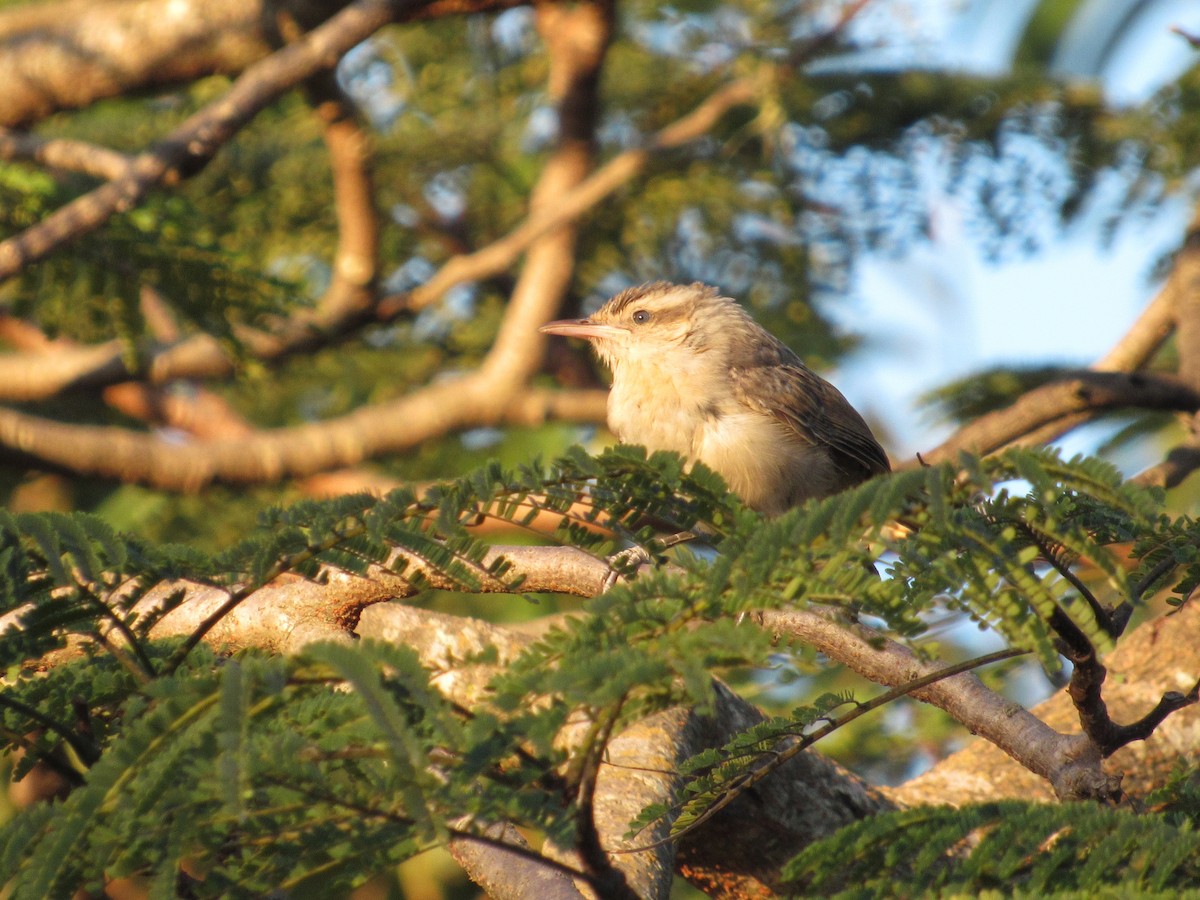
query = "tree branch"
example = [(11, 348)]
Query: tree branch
[(72, 53), (506, 874), (1184, 458), (1086, 692), (64, 154), (1063, 760), (1082, 394), (68, 55), (1156, 658), (266, 456), (190, 146), (356, 261)]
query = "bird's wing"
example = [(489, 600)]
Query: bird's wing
[(784, 388)]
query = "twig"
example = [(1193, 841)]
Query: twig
[(190, 146), (62, 153), (83, 746), (1106, 618), (1085, 691), (587, 837)]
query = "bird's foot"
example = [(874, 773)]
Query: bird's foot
[(629, 560), (625, 562)]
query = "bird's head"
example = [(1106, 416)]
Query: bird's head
[(656, 323)]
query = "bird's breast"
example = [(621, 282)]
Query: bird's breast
[(661, 413), (661, 400), (762, 461)]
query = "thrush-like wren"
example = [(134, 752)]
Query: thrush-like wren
[(693, 373)]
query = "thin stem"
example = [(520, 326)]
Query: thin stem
[(61, 766), (1104, 616), (86, 749)]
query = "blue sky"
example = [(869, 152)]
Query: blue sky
[(944, 309)]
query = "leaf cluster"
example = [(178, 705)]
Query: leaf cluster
[(94, 293), (1007, 847), (243, 774)]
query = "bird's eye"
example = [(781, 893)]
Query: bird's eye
[(640, 317)]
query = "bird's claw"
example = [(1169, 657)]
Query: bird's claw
[(628, 559)]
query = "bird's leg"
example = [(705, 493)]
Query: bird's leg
[(627, 561)]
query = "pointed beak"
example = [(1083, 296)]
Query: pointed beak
[(581, 328)]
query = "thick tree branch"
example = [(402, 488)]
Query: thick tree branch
[(577, 40), (741, 849), (1154, 659), (70, 54), (1066, 761), (1082, 394), (190, 146), (507, 875), (266, 456), (1186, 306)]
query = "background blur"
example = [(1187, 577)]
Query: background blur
[(945, 201)]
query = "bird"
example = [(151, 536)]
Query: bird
[(693, 373)]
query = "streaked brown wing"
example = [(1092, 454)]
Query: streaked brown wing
[(783, 387)]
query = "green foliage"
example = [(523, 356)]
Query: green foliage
[(1171, 553), (1009, 847), (248, 773), (1179, 798), (238, 771), (94, 293), (716, 776)]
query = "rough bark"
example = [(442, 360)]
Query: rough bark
[(1158, 656), (738, 853), (68, 55)]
